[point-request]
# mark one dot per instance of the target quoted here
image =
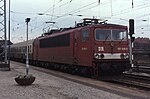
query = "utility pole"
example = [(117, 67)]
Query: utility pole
[(5, 33), (4, 64), (26, 79), (27, 20), (9, 35)]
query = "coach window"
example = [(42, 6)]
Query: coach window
[(28, 48), (85, 35)]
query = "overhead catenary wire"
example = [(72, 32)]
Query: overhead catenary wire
[(132, 4), (57, 6), (83, 8), (92, 5), (131, 10)]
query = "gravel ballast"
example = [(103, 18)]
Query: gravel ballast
[(48, 87)]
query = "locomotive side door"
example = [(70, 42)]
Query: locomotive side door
[(85, 47), (75, 47), (82, 47), (35, 51)]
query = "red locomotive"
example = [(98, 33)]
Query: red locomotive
[(92, 47)]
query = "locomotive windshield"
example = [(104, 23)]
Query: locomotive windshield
[(115, 34)]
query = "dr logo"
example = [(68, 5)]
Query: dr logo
[(100, 48)]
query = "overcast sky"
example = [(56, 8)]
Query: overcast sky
[(66, 12)]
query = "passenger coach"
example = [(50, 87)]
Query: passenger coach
[(18, 51)]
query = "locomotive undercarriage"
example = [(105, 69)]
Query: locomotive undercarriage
[(68, 68), (100, 68), (112, 68), (72, 69)]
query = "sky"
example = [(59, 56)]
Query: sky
[(66, 12)]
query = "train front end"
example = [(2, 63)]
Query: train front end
[(111, 53)]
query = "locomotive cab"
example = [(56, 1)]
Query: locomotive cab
[(103, 46), (111, 49)]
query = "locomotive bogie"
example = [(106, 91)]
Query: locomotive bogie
[(112, 68)]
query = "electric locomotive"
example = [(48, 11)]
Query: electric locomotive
[(92, 47)]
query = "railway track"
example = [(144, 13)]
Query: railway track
[(136, 80), (142, 68)]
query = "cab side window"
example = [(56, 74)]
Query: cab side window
[(85, 35)]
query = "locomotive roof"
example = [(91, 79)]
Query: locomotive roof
[(69, 30), (20, 44), (111, 25), (87, 23)]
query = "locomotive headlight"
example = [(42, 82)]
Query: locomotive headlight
[(98, 56), (126, 55), (122, 56), (102, 56)]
